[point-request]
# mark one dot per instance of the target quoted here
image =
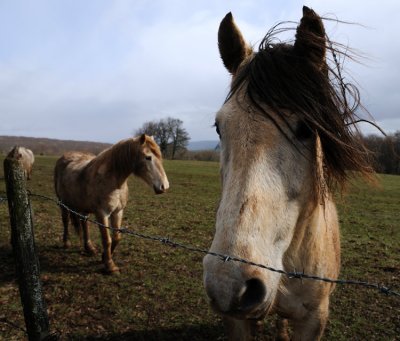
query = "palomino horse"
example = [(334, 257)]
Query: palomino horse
[(287, 141), (26, 157), (98, 184)]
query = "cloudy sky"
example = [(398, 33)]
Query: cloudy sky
[(97, 69)]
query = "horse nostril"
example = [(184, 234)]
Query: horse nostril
[(253, 295), (159, 189)]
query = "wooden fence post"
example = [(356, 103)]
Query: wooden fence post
[(23, 243)]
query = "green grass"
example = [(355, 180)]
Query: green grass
[(159, 293)]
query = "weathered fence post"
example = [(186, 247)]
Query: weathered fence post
[(23, 243)]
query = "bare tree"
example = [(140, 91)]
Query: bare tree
[(149, 128), (179, 136), (159, 130), (168, 133)]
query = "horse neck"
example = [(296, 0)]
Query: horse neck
[(117, 162)]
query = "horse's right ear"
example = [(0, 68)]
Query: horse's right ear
[(142, 139), (232, 47)]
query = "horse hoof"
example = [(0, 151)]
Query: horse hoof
[(111, 268), (90, 250), (112, 271)]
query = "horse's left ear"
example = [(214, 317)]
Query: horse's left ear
[(310, 38), (142, 139)]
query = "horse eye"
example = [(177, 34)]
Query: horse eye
[(148, 158), (303, 131), (217, 129)]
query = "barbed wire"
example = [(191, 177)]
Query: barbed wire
[(225, 258)]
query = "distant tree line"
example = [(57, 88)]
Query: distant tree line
[(169, 135), (385, 151)]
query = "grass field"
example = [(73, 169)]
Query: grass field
[(159, 293)]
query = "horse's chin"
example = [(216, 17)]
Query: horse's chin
[(259, 313)]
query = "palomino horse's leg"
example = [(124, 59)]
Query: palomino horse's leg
[(240, 330), (312, 326), (65, 220), (282, 329), (77, 226), (89, 248), (110, 267), (116, 221)]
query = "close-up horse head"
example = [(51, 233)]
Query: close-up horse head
[(287, 140)]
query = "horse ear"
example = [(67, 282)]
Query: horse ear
[(142, 139), (310, 38), (232, 47)]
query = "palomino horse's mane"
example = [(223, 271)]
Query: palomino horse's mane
[(281, 78), (121, 156)]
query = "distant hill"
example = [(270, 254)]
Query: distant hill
[(49, 146), (202, 145)]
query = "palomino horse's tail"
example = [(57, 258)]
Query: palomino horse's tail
[(66, 216)]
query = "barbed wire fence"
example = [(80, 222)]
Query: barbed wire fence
[(223, 257)]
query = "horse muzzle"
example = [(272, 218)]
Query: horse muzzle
[(238, 299), (161, 188)]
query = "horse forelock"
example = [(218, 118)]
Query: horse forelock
[(279, 78), (154, 148)]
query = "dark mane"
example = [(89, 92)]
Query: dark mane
[(281, 78), (118, 158)]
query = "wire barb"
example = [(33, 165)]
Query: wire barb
[(226, 259), (165, 240), (384, 290), (295, 274)]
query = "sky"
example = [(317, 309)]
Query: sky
[(96, 70)]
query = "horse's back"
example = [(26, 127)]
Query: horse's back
[(31, 156), (71, 161), (68, 175)]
